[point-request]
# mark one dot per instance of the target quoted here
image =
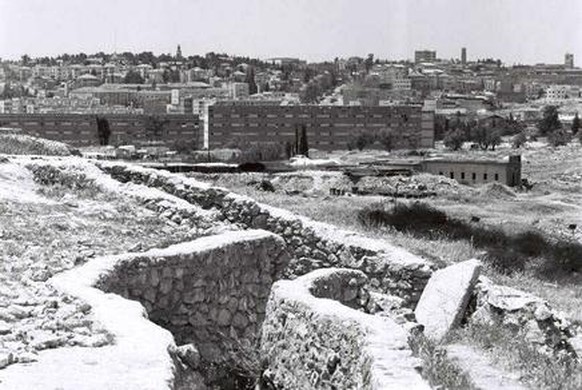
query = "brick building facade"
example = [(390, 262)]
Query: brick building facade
[(327, 127), (81, 129)]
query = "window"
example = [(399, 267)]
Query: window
[(440, 173), (462, 175), (452, 175), (474, 176), (497, 177), (484, 176)]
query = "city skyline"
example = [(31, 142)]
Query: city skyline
[(514, 31)]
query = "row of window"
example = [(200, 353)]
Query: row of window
[(404, 117), (473, 176)]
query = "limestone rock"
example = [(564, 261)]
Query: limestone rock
[(445, 298), (576, 343), (6, 358), (189, 355)]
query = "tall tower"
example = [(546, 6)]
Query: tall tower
[(464, 55), (179, 53), (569, 60)]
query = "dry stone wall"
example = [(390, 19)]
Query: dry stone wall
[(313, 245), (319, 343), (214, 298)]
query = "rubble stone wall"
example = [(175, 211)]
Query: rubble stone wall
[(211, 292), (313, 245), (319, 343)]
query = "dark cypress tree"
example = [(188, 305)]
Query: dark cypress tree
[(303, 146), (575, 124), (250, 79), (103, 130)]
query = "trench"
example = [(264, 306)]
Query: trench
[(212, 300)]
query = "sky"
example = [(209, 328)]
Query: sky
[(515, 31)]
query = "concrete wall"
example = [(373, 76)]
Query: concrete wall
[(312, 245), (317, 343)]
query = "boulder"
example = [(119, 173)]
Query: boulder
[(445, 298)]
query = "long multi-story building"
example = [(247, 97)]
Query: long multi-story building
[(327, 127), (81, 129), (425, 56)]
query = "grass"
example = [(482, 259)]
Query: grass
[(436, 368), (505, 250), (513, 353), (564, 292)]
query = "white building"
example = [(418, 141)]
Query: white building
[(561, 92)]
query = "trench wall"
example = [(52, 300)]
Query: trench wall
[(211, 292), (312, 245), (311, 340)]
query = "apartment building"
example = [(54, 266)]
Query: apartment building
[(328, 127), (81, 129)]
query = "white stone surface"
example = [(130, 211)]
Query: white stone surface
[(445, 298)]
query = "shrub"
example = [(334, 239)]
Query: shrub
[(559, 137), (454, 140), (505, 260), (360, 140), (387, 139)]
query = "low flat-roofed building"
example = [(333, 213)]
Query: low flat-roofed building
[(477, 171)]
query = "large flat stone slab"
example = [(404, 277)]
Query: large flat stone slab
[(444, 299)]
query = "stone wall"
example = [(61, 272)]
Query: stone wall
[(211, 293), (313, 245), (319, 343)]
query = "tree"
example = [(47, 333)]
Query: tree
[(103, 130), (250, 80), (387, 139), (133, 77), (154, 127), (360, 140), (559, 137), (302, 146), (550, 121), (494, 138), (485, 138), (310, 93), (454, 139), (575, 124), (369, 62)]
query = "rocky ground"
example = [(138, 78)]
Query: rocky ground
[(47, 227)]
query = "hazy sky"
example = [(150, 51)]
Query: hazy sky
[(524, 31)]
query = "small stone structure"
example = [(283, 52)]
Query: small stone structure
[(311, 340)]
